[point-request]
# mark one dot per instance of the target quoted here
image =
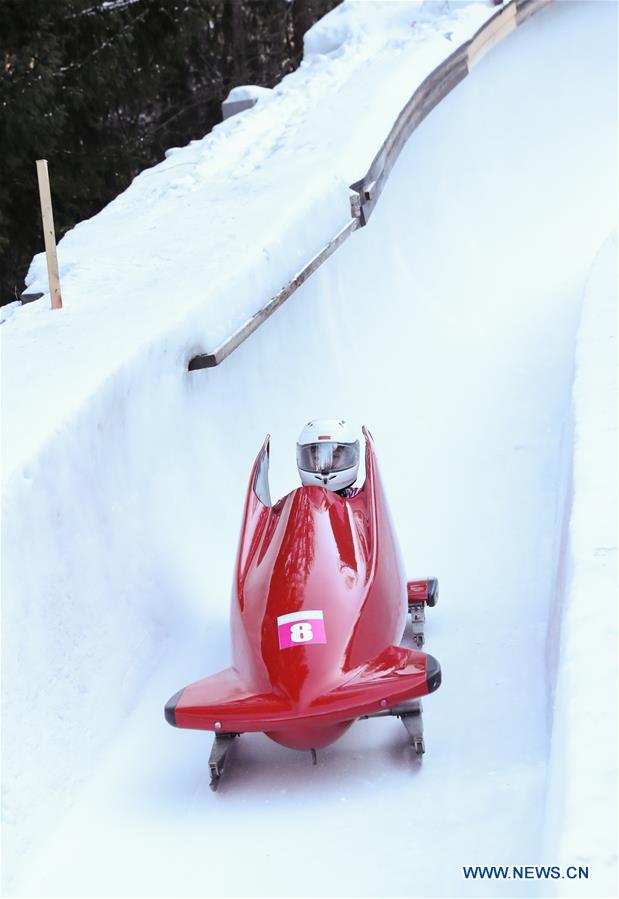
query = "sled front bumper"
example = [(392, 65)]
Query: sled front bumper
[(404, 674)]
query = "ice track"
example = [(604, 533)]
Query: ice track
[(448, 327)]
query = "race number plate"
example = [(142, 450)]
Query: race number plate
[(301, 628)]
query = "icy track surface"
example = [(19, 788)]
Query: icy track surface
[(448, 326)]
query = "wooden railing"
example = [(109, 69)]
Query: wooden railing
[(366, 192)]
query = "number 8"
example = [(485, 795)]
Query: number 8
[(301, 633)]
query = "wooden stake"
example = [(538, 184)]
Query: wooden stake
[(49, 234)]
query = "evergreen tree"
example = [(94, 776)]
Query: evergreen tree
[(101, 88)]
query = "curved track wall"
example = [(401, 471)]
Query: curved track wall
[(581, 818)]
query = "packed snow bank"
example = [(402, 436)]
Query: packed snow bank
[(239, 99), (247, 92), (581, 827), (447, 325)]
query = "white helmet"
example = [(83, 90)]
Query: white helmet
[(327, 454)]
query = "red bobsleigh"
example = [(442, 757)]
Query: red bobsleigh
[(319, 607)]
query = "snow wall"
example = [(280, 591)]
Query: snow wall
[(447, 325), (581, 825)]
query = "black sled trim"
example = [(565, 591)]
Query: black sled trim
[(433, 674), (432, 591), (170, 708)]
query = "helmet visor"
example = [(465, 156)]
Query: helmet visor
[(324, 458)]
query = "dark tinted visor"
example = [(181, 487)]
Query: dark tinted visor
[(327, 457)]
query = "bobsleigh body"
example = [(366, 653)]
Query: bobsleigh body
[(319, 606)]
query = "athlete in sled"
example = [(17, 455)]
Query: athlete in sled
[(319, 605)]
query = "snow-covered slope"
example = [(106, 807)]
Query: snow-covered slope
[(448, 326)]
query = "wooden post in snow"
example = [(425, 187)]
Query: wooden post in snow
[(48, 233)]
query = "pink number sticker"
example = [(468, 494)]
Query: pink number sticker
[(299, 628)]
